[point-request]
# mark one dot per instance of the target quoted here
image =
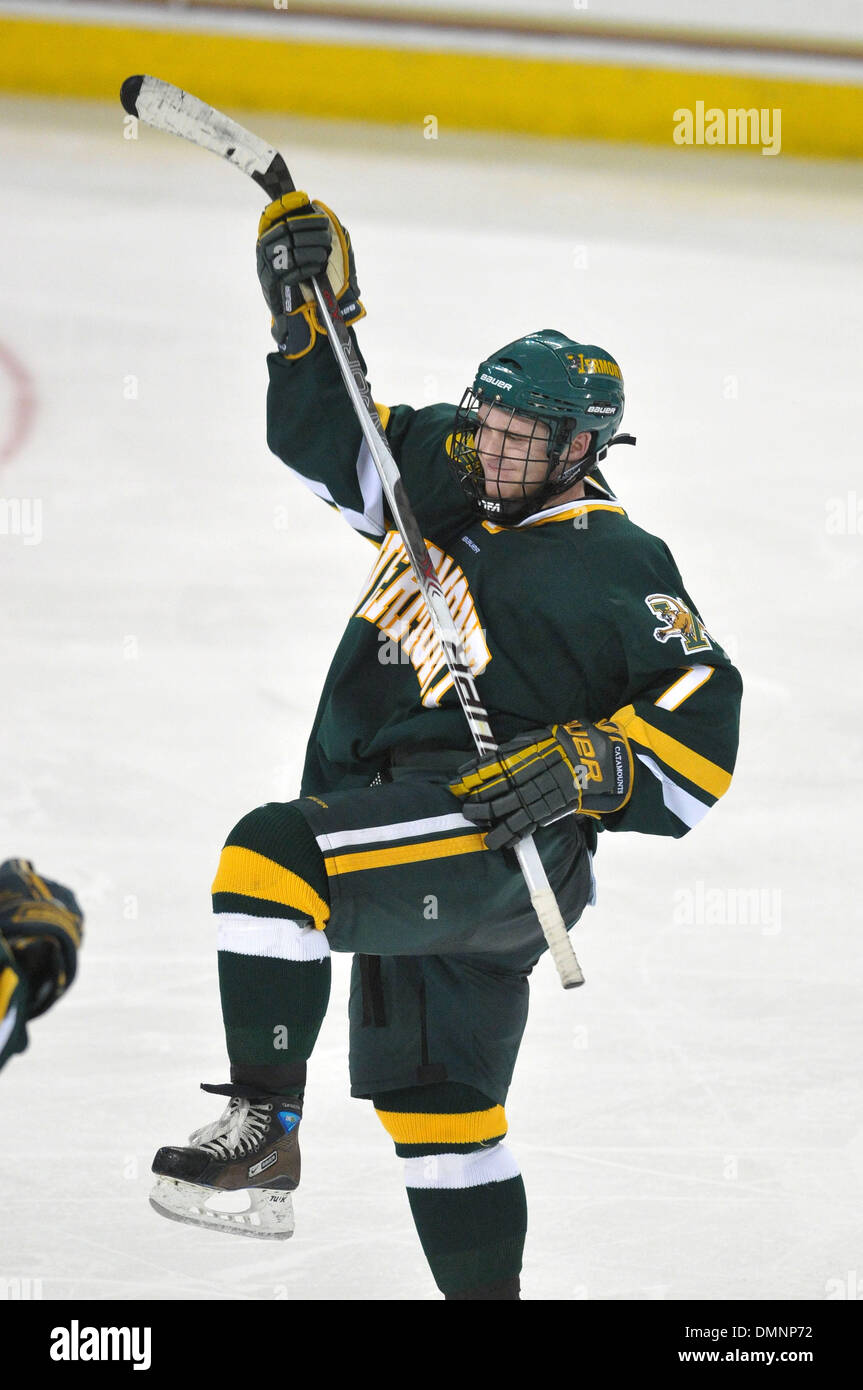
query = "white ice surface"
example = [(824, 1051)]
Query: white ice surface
[(688, 1124)]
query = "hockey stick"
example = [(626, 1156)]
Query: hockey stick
[(168, 108)]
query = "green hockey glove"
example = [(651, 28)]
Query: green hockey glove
[(298, 240), (532, 780), (43, 925)]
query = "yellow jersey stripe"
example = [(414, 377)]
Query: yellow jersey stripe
[(8, 986), (693, 678), (403, 854), (253, 875), (709, 776), (384, 412), (474, 1128), (559, 516)]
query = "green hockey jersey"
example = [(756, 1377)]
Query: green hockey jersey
[(574, 612)]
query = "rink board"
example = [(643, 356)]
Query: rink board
[(434, 89)]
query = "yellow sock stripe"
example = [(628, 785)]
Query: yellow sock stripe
[(8, 986), (255, 876), (350, 863), (475, 1127), (709, 776)]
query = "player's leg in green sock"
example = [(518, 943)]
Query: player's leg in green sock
[(465, 1190), (271, 903)]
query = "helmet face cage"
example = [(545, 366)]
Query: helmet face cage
[(526, 448)]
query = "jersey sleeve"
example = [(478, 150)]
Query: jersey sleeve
[(680, 712), (313, 429), (14, 1005)]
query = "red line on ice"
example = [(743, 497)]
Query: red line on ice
[(23, 404)]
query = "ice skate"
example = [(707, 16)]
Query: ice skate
[(236, 1175)]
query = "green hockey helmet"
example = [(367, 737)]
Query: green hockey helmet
[(530, 399)]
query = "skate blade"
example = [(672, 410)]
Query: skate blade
[(261, 1212)]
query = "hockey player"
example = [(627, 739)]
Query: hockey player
[(41, 926), (615, 710)]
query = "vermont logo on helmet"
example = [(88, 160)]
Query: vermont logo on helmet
[(535, 395), (588, 365)]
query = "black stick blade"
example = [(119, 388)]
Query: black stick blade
[(129, 93)]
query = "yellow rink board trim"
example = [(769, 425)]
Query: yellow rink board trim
[(466, 91), (403, 854), (475, 1127), (253, 875)]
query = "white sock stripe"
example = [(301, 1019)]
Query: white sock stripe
[(280, 937), (461, 1170), (401, 830)]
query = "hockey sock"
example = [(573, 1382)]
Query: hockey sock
[(271, 902), (464, 1187)]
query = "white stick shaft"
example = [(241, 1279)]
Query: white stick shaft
[(545, 906)]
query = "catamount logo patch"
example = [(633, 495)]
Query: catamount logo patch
[(680, 623)]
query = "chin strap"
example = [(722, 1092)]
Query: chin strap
[(616, 439), (583, 466)]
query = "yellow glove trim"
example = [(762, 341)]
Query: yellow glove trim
[(282, 207), (580, 737), (496, 775), (338, 265), (308, 313), (337, 275), (9, 982), (338, 270)]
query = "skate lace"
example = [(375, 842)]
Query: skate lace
[(238, 1132)]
